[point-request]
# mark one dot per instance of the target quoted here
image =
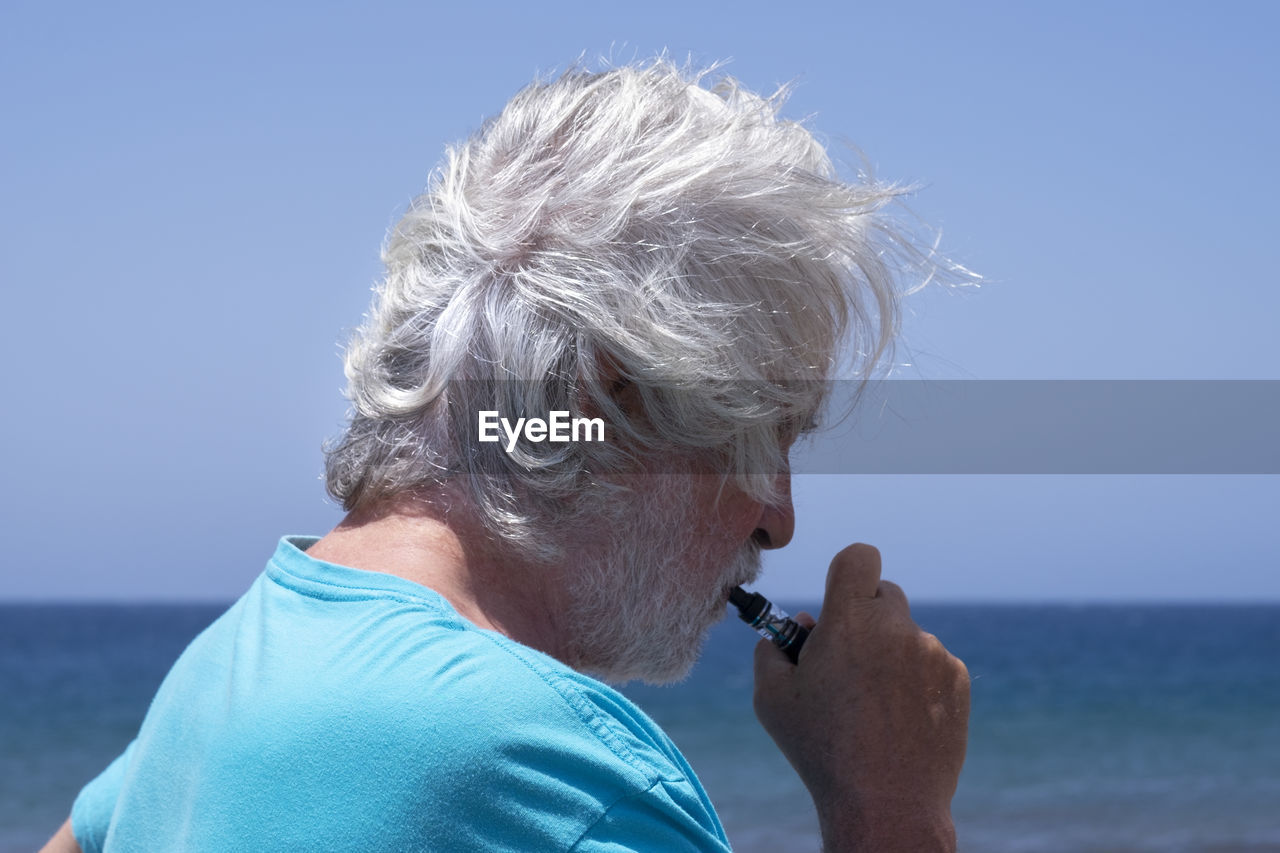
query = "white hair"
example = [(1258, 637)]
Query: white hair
[(626, 229), (634, 610)]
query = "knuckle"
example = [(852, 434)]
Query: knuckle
[(936, 654), (889, 588), (894, 596), (963, 679)]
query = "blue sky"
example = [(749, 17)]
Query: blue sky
[(194, 197)]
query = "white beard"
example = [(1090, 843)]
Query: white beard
[(634, 611)]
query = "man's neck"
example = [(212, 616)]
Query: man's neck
[(452, 554)]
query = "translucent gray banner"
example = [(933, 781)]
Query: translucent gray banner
[(1049, 427)]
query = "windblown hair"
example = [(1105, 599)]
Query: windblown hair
[(627, 235)]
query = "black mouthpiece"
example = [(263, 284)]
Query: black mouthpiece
[(740, 598), (770, 622)]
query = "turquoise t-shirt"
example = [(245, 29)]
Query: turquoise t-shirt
[(338, 709)]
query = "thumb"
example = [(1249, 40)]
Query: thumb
[(854, 573)]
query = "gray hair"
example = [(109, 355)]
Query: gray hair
[(627, 229)]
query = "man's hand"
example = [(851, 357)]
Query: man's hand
[(874, 717)]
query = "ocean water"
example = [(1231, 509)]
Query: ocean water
[(1094, 728)]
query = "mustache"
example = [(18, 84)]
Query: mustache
[(746, 565)]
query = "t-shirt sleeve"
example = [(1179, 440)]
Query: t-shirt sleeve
[(92, 810), (658, 819)]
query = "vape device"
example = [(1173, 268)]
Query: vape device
[(770, 621)]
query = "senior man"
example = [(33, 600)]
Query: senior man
[(629, 247)]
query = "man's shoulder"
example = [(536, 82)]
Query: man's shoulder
[(526, 741), (391, 656), (500, 695)]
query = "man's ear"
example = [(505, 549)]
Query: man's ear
[(626, 396), (621, 390)]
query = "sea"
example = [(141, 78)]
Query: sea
[(1094, 727)]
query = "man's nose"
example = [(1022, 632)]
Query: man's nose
[(777, 522)]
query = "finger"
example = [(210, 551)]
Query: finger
[(805, 619), (891, 594), (854, 573), (771, 665), (773, 685)]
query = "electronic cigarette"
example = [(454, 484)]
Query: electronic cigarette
[(770, 621)]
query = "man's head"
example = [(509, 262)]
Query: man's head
[(635, 246), (629, 244)]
